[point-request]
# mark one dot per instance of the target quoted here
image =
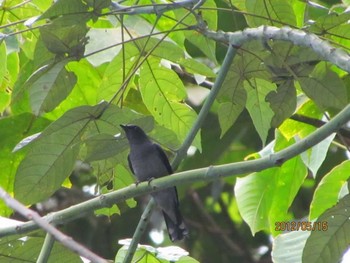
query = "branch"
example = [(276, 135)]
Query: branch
[(139, 230), (153, 8), (50, 229), (317, 123), (298, 37), (210, 173), (182, 151), (46, 249)]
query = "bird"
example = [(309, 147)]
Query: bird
[(147, 161)]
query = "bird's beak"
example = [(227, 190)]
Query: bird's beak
[(124, 127)]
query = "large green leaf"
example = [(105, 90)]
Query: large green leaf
[(282, 102), (163, 94), (49, 86), (64, 38), (263, 198), (65, 7), (16, 250), (229, 111), (272, 12), (232, 95), (52, 156), (12, 130), (329, 22), (293, 243), (314, 157), (116, 72), (100, 42), (332, 235), (325, 88), (327, 192), (254, 194), (257, 106), (3, 65), (84, 91), (291, 128)]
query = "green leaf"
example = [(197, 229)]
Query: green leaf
[(5, 99), (168, 50), (123, 179), (328, 22), (331, 239), (293, 243), (3, 65), (12, 130), (204, 44), (52, 156), (232, 95), (327, 192), (313, 158), (116, 73), (273, 12), (69, 40), (282, 102), (163, 92), (84, 91), (254, 194), (325, 88), (290, 128), (258, 108), (65, 7), (146, 253), (102, 146), (196, 67), (15, 250), (100, 39), (228, 112), (49, 86), (263, 198)]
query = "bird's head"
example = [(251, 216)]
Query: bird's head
[(134, 133)]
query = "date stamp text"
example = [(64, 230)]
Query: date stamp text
[(301, 226)]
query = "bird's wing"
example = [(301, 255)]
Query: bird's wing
[(164, 158), (130, 164)]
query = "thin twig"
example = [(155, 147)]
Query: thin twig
[(42, 223)]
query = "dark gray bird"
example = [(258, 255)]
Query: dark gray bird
[(147, 160)]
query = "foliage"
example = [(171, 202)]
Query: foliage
[(72, 71)]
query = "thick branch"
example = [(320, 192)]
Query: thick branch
[(184, 178), (154, 8), (298, 37)]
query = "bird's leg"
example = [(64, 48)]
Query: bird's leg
[(137, 182), (150, 180)]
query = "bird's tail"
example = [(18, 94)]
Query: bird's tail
[(177, 230)]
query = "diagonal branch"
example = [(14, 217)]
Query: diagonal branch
[(50, 229), (210, 173)]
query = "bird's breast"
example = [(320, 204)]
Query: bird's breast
[(147, 164)]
